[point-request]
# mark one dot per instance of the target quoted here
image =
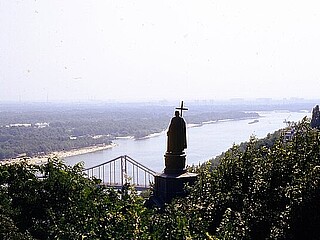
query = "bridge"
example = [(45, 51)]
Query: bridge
[(122, 170)]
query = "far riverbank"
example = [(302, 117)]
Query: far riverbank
[(92, 149), (204, 142), (61, 154)]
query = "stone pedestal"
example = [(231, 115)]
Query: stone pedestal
[(175, 163), (169, 186), (171, 182)]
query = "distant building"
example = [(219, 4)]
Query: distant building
[(288, 134), (19, 125), (97, 136), (41, 125)]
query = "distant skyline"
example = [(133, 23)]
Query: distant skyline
[(158, 50)]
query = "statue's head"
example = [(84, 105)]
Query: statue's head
[(176, 113)]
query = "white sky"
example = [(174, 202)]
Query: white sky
[(153, 50)]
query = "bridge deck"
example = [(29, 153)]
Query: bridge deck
[(122, 170)]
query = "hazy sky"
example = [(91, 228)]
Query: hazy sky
[(153, 50)]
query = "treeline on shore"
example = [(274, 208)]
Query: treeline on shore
[(35, 131), (263, 189)]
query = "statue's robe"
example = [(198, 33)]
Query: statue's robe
[(177, 140)]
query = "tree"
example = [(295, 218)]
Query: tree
[(257, 191), (64, 204), (262, 192)]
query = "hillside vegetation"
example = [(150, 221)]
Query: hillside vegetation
[(256, 192)]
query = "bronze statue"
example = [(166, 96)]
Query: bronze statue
[(177, 139)]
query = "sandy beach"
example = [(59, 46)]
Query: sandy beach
[(61, 155)]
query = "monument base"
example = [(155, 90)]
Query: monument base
[(169, 186), (175, 163)]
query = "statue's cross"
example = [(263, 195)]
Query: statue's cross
[(181, 108)]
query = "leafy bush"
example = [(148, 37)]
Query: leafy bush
[(262, 193), (64, 204), (257, 191)]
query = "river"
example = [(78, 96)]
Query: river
[(204, 142)]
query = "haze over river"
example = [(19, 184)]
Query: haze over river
[(204, 142)]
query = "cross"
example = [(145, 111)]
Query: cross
[(181, 108)]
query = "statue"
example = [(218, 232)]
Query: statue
[(171, 183), (177, 139)]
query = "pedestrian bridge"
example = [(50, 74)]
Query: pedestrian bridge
[(123, 170)]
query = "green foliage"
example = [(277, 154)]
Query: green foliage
[(38, 141), (64, 204), (263, 193), (258, 191)]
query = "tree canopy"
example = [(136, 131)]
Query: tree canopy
[(256, 192)]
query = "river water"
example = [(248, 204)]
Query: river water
[(204, 142)]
